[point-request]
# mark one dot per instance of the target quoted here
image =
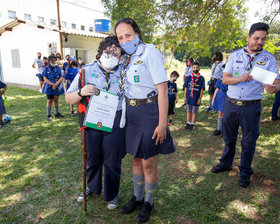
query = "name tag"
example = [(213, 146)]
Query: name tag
[(261, 63), (138, 62), (239, 61)]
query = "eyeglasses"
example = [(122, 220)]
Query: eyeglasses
[(114, 51)]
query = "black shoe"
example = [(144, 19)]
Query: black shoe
[(244, 181), (132, 205), (217, 132), (57, 115), (275, 118), (209, 109), (187, 127), (49, 117), (72, 112), (191, 127), (219, 168), (88, 194), (145, 212)]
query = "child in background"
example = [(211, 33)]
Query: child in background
[(3, 88), (172, 94), (53, 76), (193, 91), (70, 74), (218, 103)]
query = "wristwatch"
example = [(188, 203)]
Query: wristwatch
[(79, 92)]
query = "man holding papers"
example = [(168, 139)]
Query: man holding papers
[(95, 89), (243, 104)]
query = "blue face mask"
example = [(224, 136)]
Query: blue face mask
[(53, 65), (130, 47)]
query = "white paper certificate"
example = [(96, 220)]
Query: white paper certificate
[(263, 76), (101, 111)]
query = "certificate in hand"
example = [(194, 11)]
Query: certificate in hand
[(101, 111), (263, 76)]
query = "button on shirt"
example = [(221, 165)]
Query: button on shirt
[(238, 63), (188, 71), (217, 70), (146, 69), (95, 76)]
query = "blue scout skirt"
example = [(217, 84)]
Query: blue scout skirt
[(2, 107), (47, 89), (141, 122), (219, 100)]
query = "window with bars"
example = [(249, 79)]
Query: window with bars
[(27, 16), (73, 26), (15, 58), (12, 14), (53, 22)]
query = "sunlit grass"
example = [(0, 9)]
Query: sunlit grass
[(40, 171)]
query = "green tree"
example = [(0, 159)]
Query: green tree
[(143, 12)]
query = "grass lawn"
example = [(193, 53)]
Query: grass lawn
[(41, 171)]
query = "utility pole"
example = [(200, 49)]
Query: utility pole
[(59, 28)]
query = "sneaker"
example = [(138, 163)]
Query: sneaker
[(57, 115), (218, 168), (145, 212), (113, 204), (209, 109), (88, 194), (191, 127), (187, 127), (244, 181), (49, 117), (2, 123), (217, 132), (132, 205), (72, 112)]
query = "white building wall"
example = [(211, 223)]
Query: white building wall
[(69, 12), (29, 40)]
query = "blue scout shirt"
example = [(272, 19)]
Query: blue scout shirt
[(188, 71), (200, 84), (146, 69), (172, 91), (70, 74), (2, 85), (53, 74), (94, 75), (218, 72), (220, 95), (238, 63)]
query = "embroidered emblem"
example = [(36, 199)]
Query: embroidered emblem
[(136, 78), (261, 63), (97, 93), (265, 58), (94, 75), (138, 62), (99, 124), (236, 74)]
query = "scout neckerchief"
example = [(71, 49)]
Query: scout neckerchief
[(194, 82), (123, 74), (215, 68), (124, 71), (251, 59), (107, 76)]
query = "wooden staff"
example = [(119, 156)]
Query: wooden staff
[(84, 169), (84, 150)]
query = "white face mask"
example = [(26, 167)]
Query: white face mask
[(109, 61)]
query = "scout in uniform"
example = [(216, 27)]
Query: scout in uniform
[(243, 102), (103, 148), (3, 89), (218, 104), (216, 73), (193, 91), (70, 74), (172, 94), (53, 76), (147, 132)]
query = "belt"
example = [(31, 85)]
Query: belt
[(214, 78), (138, 102), (242, 102)]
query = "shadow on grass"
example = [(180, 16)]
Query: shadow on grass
[(41, 172)]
